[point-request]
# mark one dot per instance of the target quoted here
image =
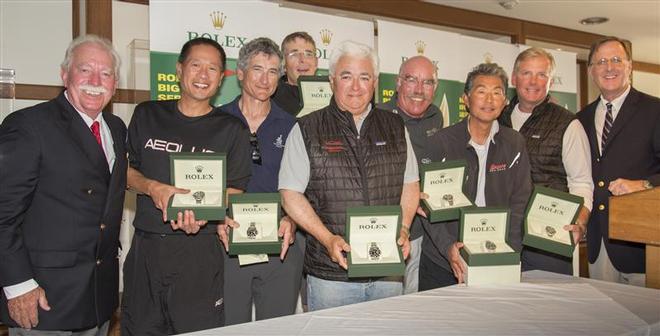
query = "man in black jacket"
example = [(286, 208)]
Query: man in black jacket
[(498, 173), (415, 89), (557, 145), (623, 127), (62, 183)]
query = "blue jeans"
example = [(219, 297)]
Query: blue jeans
[(322, 294)]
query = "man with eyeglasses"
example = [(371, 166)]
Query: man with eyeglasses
[(273, 284), (300, 59), (557, 146), (347, 154), (498, 173), (413, 101), (173, 275), (623, 128)]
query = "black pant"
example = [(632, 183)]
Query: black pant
[(432, 275), (535, 259), (273, 287), (172, 284)]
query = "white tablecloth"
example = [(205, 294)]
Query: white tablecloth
[(543, 304)]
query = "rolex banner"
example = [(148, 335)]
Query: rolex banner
[(232, 24), (455, 55)]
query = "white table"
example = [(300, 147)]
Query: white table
[(543, 304)]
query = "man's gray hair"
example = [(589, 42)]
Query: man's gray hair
[(94, 39), (258, 45), (486, 69), (352, 48)]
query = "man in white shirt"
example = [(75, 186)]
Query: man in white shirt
[(557, 145), (623, 128)]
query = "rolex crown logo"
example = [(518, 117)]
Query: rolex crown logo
[(554, 204), (326, 36), (484, 221), (488, 58), (442, 176), (218, 19), (420, 46), (255, 205), (199, 168), (373, 220)]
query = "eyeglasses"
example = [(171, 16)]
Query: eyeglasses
[(412, 81), (256, 153), (602, 63), (301, 54)]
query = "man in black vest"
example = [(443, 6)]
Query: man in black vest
[(415, 89), (557, 145), (623, 128), (300, 59), (62, 184), (347, 154)]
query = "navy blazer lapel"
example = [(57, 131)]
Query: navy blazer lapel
[(83, 137), (626, 113), (590, 127)]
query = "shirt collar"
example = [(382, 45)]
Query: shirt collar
[(616, 102), (494, 129), (88, 120)]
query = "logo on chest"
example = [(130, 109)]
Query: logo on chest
[(496, 167), (279, 143), (333, 146)]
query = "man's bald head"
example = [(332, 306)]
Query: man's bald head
[(416, 85)]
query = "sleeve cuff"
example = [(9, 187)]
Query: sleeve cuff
[(20, 289)]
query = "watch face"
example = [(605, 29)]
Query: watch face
[(198, 196), (252, 231), (490, 246), (374, 251), (550, 231), (449, 198)]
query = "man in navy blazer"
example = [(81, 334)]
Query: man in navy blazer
[(623, 127), (62, 182)]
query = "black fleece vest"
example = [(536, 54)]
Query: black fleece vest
[(347, 170), (544, 133)]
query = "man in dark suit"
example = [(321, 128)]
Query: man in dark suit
[(623, 127), (62, 181)]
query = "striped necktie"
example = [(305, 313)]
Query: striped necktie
[(607, 126)]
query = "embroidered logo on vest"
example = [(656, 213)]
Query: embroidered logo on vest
[(333, 146)]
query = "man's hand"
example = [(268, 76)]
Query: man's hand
[(223, 230), (455, 261), (288, 233), (23, 309), (420, 211), (577, 231), (404, 241), (186, 221), (579, 228), (160, 194), (335, 246), (622, 186)]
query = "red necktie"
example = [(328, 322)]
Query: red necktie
[(96, 130)]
